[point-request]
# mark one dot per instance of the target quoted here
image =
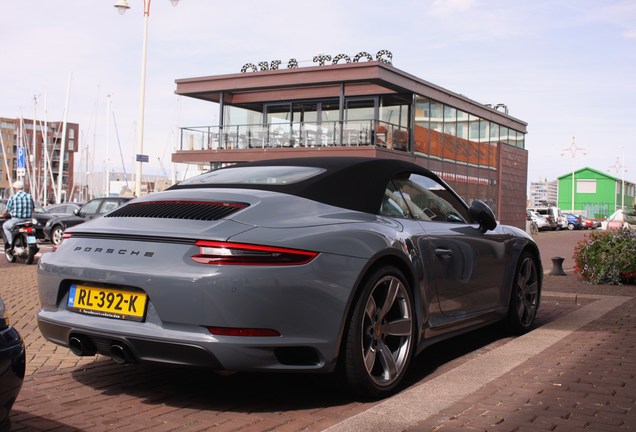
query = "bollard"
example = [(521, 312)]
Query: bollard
[(557, 267)]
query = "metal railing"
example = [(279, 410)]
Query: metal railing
[(306, 134)]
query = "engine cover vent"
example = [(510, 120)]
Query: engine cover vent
[(192, 210)]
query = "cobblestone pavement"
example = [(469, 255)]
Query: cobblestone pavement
[(568, 374)]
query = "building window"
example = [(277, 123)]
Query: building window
[(586, 186)]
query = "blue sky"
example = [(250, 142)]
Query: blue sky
[(567, 68)]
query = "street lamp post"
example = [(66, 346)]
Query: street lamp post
[(122, 7), (623, 169), (619, 166), (573, 149)]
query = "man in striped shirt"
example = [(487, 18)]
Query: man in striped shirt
[(20, 207)]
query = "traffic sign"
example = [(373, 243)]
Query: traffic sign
[(142, 158), (20, 162)]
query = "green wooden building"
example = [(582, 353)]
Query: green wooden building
[(596, 195)]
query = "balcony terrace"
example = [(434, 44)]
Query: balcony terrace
[(244, 142), (295, 134)]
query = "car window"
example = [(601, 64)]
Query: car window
[(109, 205), (393, 204), (38, 208), (420, 197), (91, 207), (60, 208)]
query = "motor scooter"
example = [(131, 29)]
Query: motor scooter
[(24, 245)]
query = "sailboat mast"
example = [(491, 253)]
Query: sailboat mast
[(45, 145), (63, 144), (6, 163), (33, 156), (108, 108)]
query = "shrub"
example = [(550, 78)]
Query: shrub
[(607, 257)]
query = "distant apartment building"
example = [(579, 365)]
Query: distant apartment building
[(543, 193), (33, 155)]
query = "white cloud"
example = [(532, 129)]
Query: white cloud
[(629, 34), (445, 8)]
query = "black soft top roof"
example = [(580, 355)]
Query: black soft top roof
[(353, 183)]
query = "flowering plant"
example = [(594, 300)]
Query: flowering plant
[(607, 257)]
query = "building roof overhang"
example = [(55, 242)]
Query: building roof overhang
[(354, 79)]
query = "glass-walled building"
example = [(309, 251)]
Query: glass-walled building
[(362, 109)]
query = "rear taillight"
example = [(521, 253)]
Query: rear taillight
[(64, 237), (225, 253)]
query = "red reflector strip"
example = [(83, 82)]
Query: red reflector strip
[(232, 331), (225, 253)]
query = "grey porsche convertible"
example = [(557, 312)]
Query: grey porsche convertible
[(344, 265)]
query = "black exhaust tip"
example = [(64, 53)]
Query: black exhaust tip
[(121, 354), (81, 345)]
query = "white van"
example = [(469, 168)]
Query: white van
[(554, 217)]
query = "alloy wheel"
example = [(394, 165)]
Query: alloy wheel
[(56, 235), (387, 331), (527, 292)]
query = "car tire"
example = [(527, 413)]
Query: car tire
[(525, 296), (56, 235), (380, 335), (571, 227)]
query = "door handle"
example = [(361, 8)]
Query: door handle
[(443, 253)]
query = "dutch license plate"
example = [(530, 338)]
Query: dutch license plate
[(107, 302)]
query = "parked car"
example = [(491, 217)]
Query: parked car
[(94, 208), (542, 223), (552, 214), (620, 219), (587, 223), (12, 366), (290, 265), (574, 221), (562, 222), (66, 208)]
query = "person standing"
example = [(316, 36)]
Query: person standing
[(20, 207)]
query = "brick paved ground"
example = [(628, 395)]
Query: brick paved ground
[(587, 380)]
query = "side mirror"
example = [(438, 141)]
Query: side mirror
[(483, 215)]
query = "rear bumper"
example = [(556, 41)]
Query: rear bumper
[(142, 349), (188, 346)]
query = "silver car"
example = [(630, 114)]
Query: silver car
[(310, 264)]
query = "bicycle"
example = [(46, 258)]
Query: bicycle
[(534, 228)]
